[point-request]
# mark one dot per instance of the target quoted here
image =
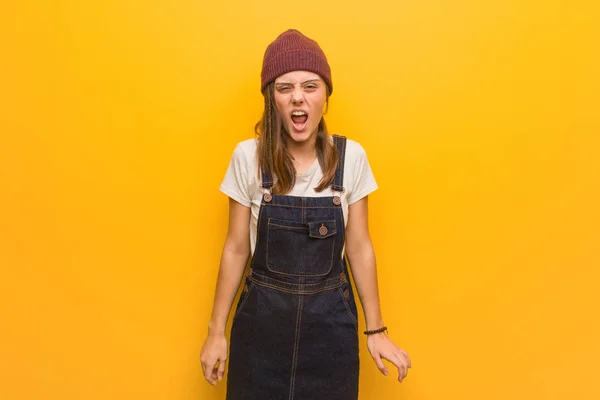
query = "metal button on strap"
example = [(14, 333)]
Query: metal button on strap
[(268, 197), (337, 201), (245, 287), (343, 277), (323, 230), (346, 293)]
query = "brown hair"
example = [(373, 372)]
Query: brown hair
[(273, 157)]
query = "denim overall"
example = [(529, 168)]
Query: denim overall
[(294, 334)]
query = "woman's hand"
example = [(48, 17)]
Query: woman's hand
[(212, 358), (381, 347)]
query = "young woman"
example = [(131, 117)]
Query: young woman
[(298, 203)]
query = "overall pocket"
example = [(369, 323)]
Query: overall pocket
[(248, 286), (300, 249), (350, 304)]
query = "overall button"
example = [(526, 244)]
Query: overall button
[(343, 277), (268, 197), (337, 201), (346, 293), (323, 230), (249, 273), (245, 287)]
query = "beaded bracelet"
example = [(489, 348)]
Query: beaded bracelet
[(383, 329)]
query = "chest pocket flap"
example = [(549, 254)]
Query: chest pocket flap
[(322, 229)]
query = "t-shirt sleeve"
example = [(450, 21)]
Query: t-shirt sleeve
[(363, 182), (236, 182)]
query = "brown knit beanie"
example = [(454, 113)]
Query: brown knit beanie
[(292, 51)]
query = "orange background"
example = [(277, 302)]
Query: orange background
[(481, 123)]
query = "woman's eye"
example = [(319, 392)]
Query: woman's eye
[(283, 89), (311, 87)]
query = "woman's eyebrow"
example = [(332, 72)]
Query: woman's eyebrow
[(303, 83)]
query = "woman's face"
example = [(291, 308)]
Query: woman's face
[(300, 97)]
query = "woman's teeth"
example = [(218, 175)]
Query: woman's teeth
[(299, 117)]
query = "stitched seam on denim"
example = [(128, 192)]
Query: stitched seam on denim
[(305, 275), (343, 224), (296, 291), (302, 225), (333, 243), (290, 283), (287, 222), (251, 286), (319, 236), (348, 307), (336, 179), (338, 182), (333, 287), (336, 140), (283, 205), (260, 213), (267, 180), (296, 341), (288, 227), (267, 243), (287, 274)]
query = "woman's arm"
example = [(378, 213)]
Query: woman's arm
[(361, 256), (233, 261)]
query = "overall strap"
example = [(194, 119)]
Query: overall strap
[(338, 181), (266, 180)]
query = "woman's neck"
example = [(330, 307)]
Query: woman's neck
[(304, 153)]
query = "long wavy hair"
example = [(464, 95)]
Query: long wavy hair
[(273, 156)]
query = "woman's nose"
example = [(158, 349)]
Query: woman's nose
[(297, 96)]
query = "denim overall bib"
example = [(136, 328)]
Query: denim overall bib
[(294, 334)]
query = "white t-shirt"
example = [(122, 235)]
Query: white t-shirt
[(242, 181)]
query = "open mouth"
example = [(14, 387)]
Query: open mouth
[(299, 119)]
